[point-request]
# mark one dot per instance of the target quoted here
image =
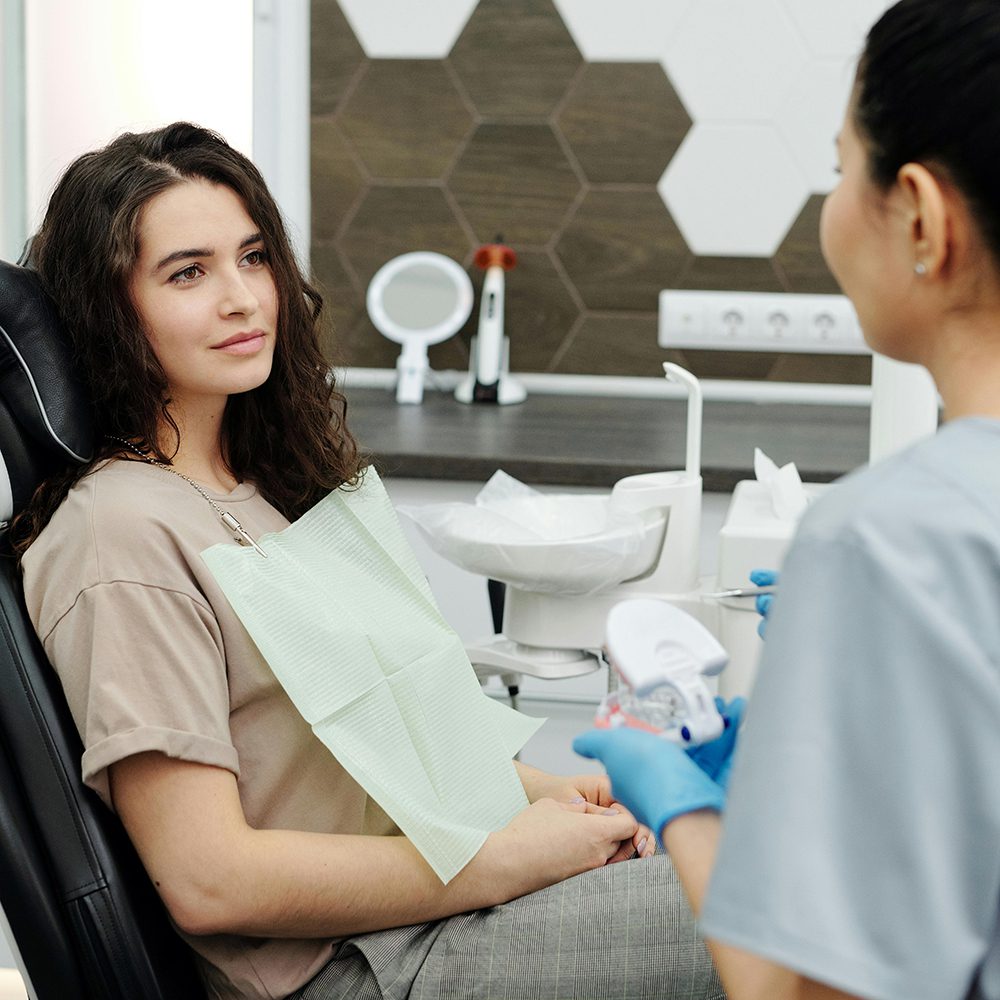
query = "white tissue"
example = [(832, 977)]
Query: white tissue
[(784, 486)]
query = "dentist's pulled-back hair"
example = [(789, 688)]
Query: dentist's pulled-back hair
[(928, 91), (287, 436)]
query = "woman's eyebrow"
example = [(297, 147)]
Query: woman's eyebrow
[(181, 255), (196, 252)]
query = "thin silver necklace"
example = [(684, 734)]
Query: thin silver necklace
[(241, 534)]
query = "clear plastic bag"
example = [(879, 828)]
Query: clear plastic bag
[(549, 543)]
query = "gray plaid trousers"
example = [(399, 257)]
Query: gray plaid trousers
[(623, 931)]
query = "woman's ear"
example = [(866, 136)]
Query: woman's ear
[(929, 212)]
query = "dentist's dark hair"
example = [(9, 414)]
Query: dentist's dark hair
[(289, 435), (928, 91)]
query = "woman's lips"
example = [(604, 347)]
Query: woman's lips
[(243, 343)]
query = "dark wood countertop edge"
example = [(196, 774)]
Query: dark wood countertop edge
[(553, 472)]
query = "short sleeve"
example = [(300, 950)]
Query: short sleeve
[(861, 842), (143, 669)]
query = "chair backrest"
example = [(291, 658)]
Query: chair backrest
[(85, 918)]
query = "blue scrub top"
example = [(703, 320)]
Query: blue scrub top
[(861, 842)]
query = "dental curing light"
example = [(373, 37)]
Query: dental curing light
[(489, 379)]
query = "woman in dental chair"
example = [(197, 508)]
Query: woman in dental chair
[(198, 337), (859, 852)]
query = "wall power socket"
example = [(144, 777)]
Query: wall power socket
[(760, 321)]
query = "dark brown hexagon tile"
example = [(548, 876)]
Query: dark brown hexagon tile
[(393, 220), (844, 369), (621, 249), (405, 118), (754, 365), (335, 55), (342, 303), (514, 180), (799, 257), (538, 311), (623, 344), (367, 348), (335, 179), (515, 58), (623, 122), (731, 274)]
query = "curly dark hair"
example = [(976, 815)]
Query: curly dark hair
[(288, 436)]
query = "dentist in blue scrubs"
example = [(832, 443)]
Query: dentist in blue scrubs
[(858, 854)]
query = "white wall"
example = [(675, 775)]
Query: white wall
[(102, 67)]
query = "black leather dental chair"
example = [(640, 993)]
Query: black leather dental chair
[(86, 921)]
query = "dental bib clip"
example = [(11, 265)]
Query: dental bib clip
[(662, 656)]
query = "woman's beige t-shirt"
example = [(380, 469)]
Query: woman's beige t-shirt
[(152, 657)]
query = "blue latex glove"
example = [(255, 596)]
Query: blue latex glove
[(716, 758), (764, 578), (657, 780)]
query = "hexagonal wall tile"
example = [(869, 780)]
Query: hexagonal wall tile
[(389, 29), (624, 344), (734, 61), (623, 122), (515, 58), (514, 180), (335, 55), (840, 369), (800, 258), (731, 274), (625, 30), (405, 118), (734, 190), (621, 249), (394, 220), (810, 117), (835, 29), (335, 179), (341, 300)]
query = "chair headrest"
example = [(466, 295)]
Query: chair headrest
[(46, 420)]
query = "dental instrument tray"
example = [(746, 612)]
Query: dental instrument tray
[(662, 656)]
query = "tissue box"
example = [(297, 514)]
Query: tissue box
[(753, 536)]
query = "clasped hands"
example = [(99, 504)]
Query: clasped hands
[(587, 793)]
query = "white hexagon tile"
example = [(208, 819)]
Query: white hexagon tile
[(734, 61), (624, 31), (388, 29), (835, 29), (811, 114), (734, 190)]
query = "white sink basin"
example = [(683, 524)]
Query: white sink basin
[(588, 545)]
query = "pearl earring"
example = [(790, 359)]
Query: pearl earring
[(920, 268)]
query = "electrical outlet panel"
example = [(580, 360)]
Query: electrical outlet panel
[(760, 321)]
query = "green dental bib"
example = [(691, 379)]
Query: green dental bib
[(344, 616)]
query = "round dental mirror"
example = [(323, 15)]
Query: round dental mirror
[(418, 299)]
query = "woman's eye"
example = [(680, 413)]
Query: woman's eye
[(255, 257), (189, 273)]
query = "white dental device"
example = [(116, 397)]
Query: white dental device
[(489, 379), (662, 655)]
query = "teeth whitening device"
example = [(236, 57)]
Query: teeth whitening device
[(661, 657)]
